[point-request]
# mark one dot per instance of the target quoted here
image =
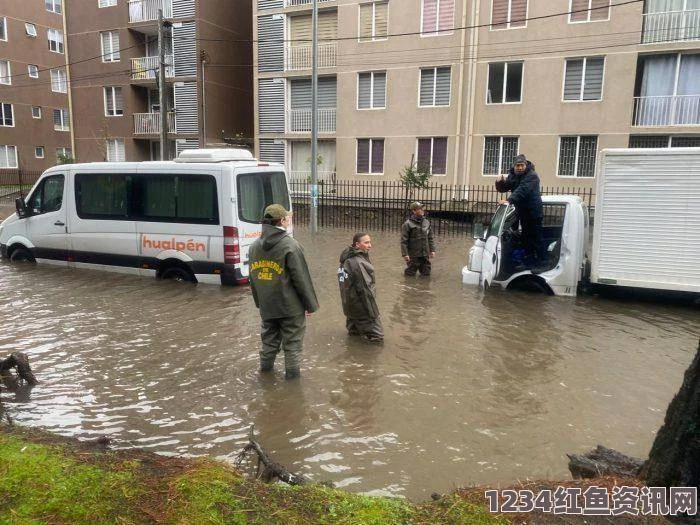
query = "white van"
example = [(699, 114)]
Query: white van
[(192, 219)]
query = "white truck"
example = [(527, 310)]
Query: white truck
[(646, 231)]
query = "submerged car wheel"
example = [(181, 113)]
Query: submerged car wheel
[(176, 273), (20, 255)]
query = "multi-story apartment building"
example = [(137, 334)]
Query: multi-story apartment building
[(461, 86), (34, 105), (114, 57)]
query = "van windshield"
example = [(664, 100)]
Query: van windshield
[(256, 191)]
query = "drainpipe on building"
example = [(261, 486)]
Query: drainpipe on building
[(469, 131), (68, 84), (460, 90), (204, 59)]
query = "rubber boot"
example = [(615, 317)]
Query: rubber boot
[(266, 366), (292, 373)]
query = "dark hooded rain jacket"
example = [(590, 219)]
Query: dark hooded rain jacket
[(356, 281)]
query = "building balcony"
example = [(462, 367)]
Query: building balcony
[(671, 26), (299, 56), (299, 120), (146, 68), (147, 10), (678, 110), (298, 3), (149, 123)]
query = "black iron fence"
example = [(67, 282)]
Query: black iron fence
[(384, 205), (16, 182)]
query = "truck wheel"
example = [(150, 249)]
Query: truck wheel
[(20, 255), (176, 273)]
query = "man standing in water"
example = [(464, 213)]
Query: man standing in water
[(357, 290), (417, 244), (282, 290)]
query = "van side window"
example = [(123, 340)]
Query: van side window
[(256, 191), (178, 198), (48, 196), (101, 195)]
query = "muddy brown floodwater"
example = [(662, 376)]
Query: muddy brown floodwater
[(468, 387)]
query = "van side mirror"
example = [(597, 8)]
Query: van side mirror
[(478, 230), (21, 208)]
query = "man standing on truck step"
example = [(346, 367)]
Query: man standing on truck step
[(417, 244), (524, 184), (282, 290)]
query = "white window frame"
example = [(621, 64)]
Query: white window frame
[(2, 114), (3, 24), (57, 40), (373, 38), (371, 107), (56, 6), (588, 16), (505, 82), (432, 148), (508, 22), (6, 80), (106, 3), (420, 78), (36, 151), (36, 116), (7, 147), (30, 29), (113, 90), (578, 152), (583, 81), (116, 142), (438, 31), (62, 126), (65, 151), (110, 57), (500, 153), (59, 80), (32, 71), (369, 162)]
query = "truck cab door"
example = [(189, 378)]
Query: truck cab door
[(492, 247), (47, 225)]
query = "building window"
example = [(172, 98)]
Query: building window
[(59, 82), (432, 155), (374, 21), (63, 154), (36, 111), (583, 78), (110, 46), (664, 141), (39, 152), (435, 86), (5, 72), (7, 117), (370, 156), (577, 156), (30, 29), (3, 28), (8, 156), (589, 10), (371, 90), (437, 17), (55, 38), (508, 14), (33, 71), (114, 101), (106, 3), (505, 83), (61, 120), (499, 154), (55, 6), (115, 150)]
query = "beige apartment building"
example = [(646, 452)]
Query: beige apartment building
[(461, 86), (34, 109)]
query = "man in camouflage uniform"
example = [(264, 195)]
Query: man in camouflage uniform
[(417, 244), (282, 290)]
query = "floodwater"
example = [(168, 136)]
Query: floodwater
[(469, 388)]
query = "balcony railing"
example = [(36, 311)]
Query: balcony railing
[(678, 110), (295, 3), (146, 68), (147, 10), (671, 26), (300, 120), (299, 56), (149, 123)]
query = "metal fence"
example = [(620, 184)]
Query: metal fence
[(14, 183), (384, 205)]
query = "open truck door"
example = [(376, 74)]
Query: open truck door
[(492, 247)]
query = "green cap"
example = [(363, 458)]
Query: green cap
[(275, 212), (417, 206)]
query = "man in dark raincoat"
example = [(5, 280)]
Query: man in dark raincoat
[(282, 290), (524, 184), (417, 243), (357, 290)]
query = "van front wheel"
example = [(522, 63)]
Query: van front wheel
[(175, 273), (20, 255)]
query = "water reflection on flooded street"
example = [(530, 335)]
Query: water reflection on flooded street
[(468, 387)]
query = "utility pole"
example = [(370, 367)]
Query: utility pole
[(314, 117), (161, 88)]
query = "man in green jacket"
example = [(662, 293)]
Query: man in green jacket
[(282, 290), (417, 243)]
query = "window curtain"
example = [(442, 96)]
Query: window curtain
[(654, 108), (688, 103)]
